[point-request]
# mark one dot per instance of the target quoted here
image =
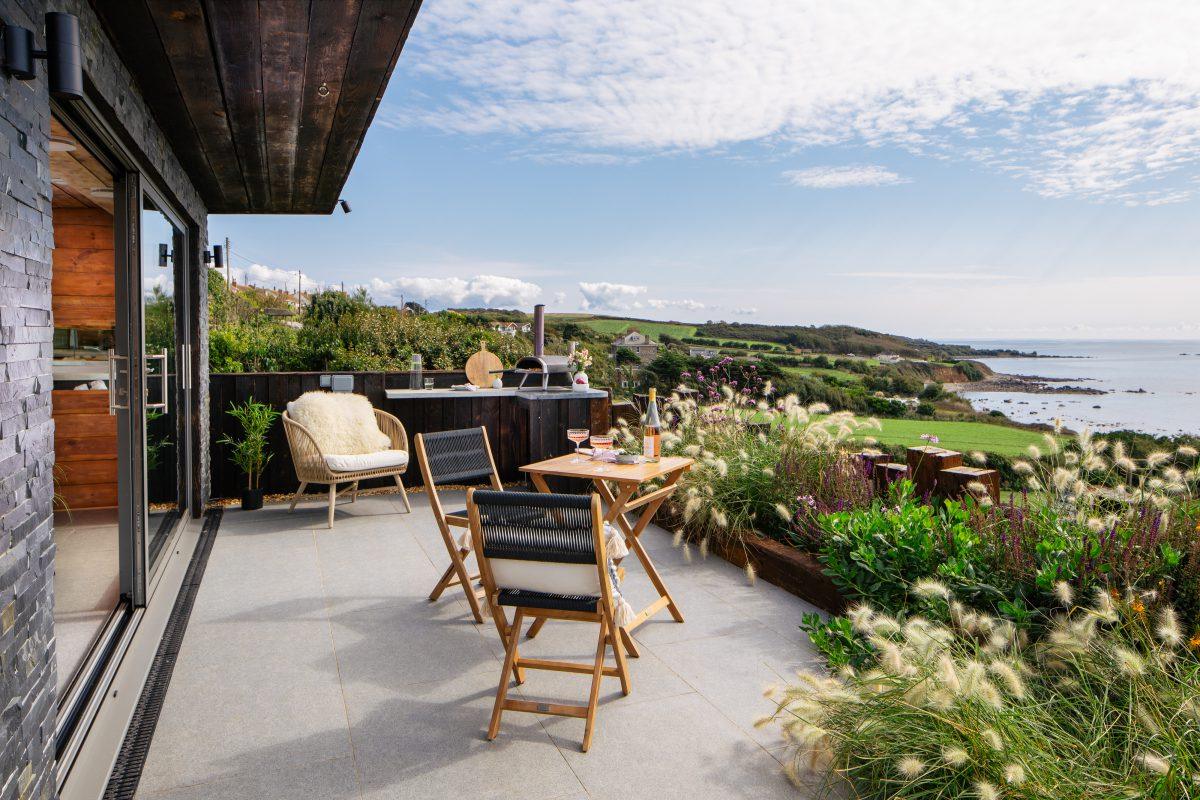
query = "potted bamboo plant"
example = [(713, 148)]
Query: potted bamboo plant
[(250, 452)]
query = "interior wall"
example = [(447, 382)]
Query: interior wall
[(83, 296)]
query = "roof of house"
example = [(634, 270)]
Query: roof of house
[(266, 105), (624, 338)]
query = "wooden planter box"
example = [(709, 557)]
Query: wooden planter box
[(790, 569)]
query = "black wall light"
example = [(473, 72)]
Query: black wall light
[(164, 254), (64, 58), (215, 257), (345, 206)]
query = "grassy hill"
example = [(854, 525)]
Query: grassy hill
[(615, 326), (832, 339)]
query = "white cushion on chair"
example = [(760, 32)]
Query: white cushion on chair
[(380, 459), (545, 576), (339, 423)]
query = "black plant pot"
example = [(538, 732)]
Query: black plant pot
[(251, 499)]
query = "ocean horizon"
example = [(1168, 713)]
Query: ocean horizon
[(1150, 385)]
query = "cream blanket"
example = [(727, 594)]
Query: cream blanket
[(340, 423)]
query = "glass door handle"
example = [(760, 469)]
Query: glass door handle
[(113, 374), (164, 406)]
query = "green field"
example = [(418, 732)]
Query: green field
[(615, 327), (962, 436), (655, 330), (818, 372)]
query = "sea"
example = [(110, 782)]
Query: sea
[(1167, 371)]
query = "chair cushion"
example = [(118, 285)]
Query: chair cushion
[(380, 459), (546, 577), (339, 423), (558, 602)]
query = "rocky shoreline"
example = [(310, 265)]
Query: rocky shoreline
[(1026, 384)]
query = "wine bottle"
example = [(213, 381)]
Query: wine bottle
[(652, 431)]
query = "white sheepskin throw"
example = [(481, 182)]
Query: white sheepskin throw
[(341, 423)]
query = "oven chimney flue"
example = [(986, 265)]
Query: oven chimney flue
[(539, 329)]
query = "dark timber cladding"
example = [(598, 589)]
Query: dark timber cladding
[(265, 103)]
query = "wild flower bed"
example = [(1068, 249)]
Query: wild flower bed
[(966, 669)]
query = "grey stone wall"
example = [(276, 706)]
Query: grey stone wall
[(27, 662), (27, 668)]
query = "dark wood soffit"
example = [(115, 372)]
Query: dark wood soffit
[(266, 104)]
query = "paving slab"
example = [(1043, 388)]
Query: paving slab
[(315, 667)]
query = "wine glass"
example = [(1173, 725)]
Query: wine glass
[(602, 442), (578, 436)]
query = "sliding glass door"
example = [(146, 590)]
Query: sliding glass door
[(163, 355)]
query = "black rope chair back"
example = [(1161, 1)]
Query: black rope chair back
[(458, 457), (546, 531), (462, 457), (543, 556)]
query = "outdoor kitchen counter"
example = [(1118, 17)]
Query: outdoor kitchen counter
[(525, 394), (523, 425)]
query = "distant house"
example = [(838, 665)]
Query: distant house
[(512, 328), (640, 343), (703, 352), (888, 358)]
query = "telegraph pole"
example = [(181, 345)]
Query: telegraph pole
[(228, 264)]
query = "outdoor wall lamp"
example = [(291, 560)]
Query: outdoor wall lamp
[(215, 257), (64, 58), (164, 254), (345, 206)]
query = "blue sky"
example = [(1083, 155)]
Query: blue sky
[(1002, 171)]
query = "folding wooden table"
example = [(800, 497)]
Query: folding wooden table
[(620, 488)]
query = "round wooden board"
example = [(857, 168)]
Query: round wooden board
[(479, 367)]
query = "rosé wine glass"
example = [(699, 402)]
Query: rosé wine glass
[(578, 436)]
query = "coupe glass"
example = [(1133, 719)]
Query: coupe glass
[(602, 442), (578, 436)]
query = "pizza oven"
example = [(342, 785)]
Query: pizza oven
[(543, 366)]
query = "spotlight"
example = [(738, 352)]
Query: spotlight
[(64, 58), (345, 206)]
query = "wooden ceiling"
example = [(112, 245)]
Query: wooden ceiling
[(78, 179), (265, 102)]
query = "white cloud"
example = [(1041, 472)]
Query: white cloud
[(1099, 100), (843, 177), (276, 278), (746, 312), (686, 304), (605, 296), (494, 291)]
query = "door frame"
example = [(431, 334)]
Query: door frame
[(98, 127)]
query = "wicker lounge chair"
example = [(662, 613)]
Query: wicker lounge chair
[(313, 466)]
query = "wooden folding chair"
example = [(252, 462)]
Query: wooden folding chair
[(460, 457), (543, 556)]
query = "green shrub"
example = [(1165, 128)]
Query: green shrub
[(877, 554)]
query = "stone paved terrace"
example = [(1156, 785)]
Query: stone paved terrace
[(314, 667)]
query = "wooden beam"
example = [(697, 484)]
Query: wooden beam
[(235, 26), (183, 29), (324, 70), (285, 36), (382, 29), (131, 28)]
